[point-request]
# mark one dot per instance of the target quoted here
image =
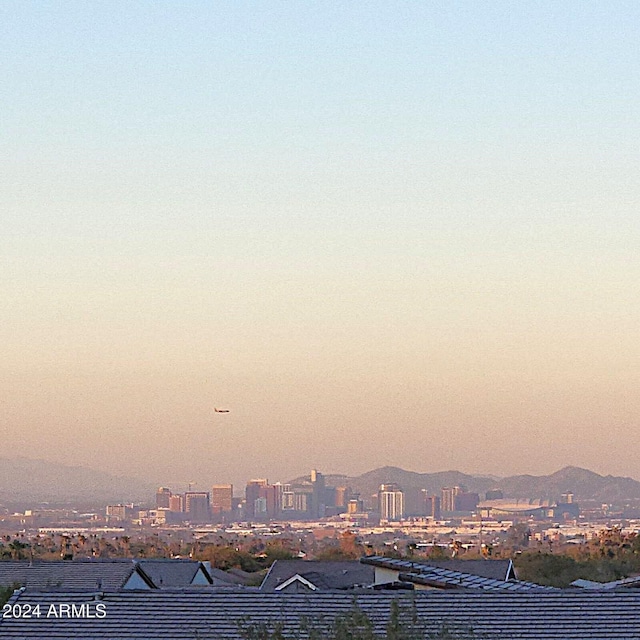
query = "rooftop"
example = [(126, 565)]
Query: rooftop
[(184, 615)]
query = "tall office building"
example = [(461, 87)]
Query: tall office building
[(318, 498), (221, 499), (270, 493), (355, 505), (176, 503), (466, 501), (252, 493), (287, 498), (415, 502), (301, 501), (197, 506), (391, 502), (262, 500), (163, 496), (448, 500), (342, 497), (433, 503)]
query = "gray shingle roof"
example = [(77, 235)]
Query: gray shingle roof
[(225, 578), (328, 575), (495, 569), (86, 575), (632, 582), (208, 615), (172, 573), (433, 576)]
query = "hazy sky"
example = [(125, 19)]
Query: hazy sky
[(398, 233)]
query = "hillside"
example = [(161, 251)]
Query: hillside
[(584, 484), (23, 479), (367, 484)]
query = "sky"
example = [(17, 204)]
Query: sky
[(379, 233)]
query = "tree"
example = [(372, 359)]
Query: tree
[(518, 536), (7, 592)]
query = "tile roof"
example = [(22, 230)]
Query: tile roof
[(225, 578), (83, 574), (325, 575), (495, 569), (625, 583), (173, 573), (171, 614), (433, 576)]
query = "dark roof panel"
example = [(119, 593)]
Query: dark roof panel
[(46, 575), (431, 575), (172, 573), (334, 575), (187, 614)]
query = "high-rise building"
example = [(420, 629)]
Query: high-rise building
[(268, 495), (318, 498), (342, 496), (221, 499), (330, 501), (301, 502), (197, 506), (415, 502), (119, 512), (448, 500), (466, 501), (163, 496), (304, 500), (176, 503), (433, 503), (391, 502), (287, 498), (252, 493)]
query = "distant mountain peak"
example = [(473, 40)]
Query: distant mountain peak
[(26, 479)]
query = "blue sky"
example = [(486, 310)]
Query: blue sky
[(409, 218)]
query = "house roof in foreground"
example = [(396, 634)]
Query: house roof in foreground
[(434, 576), (632, 582), (207, 615), (88, 575), (495, 569), (173, 572), (325, 575)]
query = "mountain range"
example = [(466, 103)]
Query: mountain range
[(584, 484), (23, 479)]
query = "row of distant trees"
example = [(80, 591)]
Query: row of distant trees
[(610, 556)]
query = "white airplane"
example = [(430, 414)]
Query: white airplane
[(220, 410)]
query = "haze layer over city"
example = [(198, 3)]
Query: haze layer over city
[(371, 233)]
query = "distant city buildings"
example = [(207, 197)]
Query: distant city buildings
[(391, 502), (197, 506), (311, 498), (318, 495), (119, 513), (163, 498), (433, 503), (176, 503), (458, 499), (221, 500), (448, 498)]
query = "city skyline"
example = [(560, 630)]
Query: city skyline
[(392, 234)]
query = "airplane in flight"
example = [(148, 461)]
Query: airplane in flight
[(220, 410)]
